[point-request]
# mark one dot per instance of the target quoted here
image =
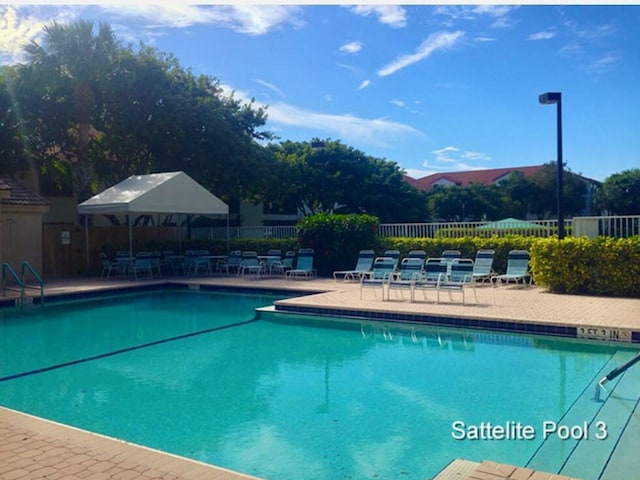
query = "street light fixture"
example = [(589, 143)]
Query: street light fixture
[(550, 98)]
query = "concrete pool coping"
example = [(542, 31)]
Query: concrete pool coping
[(31, 448)]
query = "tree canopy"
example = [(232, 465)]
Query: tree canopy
[(94, 112), (620, 193), (516, 196), (326, 176)]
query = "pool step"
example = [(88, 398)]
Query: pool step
[(465, 470), (618, 415), (581, 456), (457, 470)]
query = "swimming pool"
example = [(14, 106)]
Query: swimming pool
[(199, 375)]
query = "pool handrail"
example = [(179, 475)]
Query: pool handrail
[(6, 267), (614, 373), (27, 266)]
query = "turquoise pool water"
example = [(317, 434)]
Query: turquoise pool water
[(198, 375)]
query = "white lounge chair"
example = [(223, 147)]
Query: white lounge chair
[(460, 278), (517, 268), (483, 265), (395, 254), (434, 271), (403, 280), (363, 265), (250, 265), (377, 278), (304, 265)]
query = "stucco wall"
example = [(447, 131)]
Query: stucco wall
[(21, 236)]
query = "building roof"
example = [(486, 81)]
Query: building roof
[(18, 194), (484, 177)]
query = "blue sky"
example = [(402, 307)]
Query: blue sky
[(434, 88)]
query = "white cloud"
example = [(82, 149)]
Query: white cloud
[(249, 19), (455, 159), (393, 15), (541, 36), (493, 10), (377, 132), (397, 103), (271, 87), (364, 85), (471, 13), (351, 47), (21, 25), (595, 32), (603, 64), (436, 41)]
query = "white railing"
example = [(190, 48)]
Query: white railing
[(614, 226), (539, 228)]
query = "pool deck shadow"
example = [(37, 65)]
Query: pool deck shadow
[(33, 448)]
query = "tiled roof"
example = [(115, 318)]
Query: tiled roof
[(484, 177), (19, 195)]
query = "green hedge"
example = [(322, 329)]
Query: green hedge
[(603, 266), (337, 239)]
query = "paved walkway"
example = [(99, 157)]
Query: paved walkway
[(32, 448)]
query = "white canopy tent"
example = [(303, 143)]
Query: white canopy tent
[(169, 192)]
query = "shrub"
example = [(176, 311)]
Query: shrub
[(563, 267), (337, 239), (603, 266)]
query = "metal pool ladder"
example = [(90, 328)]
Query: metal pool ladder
[(21, 282), (613, 374)]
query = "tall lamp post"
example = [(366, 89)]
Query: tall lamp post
[(550, 98)]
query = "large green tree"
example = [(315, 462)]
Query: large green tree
[(12, 153), (326, 176), (97, 112), (574, 191), (160, 117), (67, 71), (620, 193)]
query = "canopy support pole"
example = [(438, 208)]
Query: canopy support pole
[(130, 236), (179, 234), (86, 240)]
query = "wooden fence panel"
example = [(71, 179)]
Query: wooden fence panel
[(65, 254)]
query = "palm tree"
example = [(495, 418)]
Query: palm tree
[(69, 65)]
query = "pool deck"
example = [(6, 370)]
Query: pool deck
[(33, 448)]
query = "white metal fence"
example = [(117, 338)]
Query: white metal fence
[(540, 228), (618, 226), (614, 226)]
